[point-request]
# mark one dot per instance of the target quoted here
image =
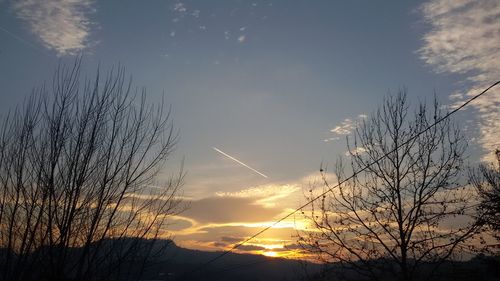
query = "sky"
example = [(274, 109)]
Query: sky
[(275, 85)]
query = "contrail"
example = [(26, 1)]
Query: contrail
[(238, 161), (24, 41)]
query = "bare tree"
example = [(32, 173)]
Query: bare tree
[(78, 195), (406, 210), (486, 180)]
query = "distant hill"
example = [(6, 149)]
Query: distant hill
[(169, 262), (176, 263)]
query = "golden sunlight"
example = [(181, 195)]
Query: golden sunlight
[(270, 254)]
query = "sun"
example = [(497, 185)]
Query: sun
[(270, 254)]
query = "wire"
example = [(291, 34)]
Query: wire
[(341, 182)]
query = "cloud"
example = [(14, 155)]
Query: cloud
[(178, 223), (196, 13), (250, 248), (179, 7), (356, 151), (465, 38), (316, 179), (281, 247), (61, 25), (345, 127), (348, 125), (219, 244), (331, 139), (266, 195), (228, 209), (232, 239), (219, 221), (221, 232)]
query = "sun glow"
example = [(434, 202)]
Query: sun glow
[(271, 254)]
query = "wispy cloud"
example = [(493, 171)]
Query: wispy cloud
[(179, 7), (61, 25), (228, 209), (465, 38), (345, 127), (348, 125), (355, 151), (266, 195), (269, 247), (225, 218), (261, 191)]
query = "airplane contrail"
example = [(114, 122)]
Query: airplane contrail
[(238, 161), (24, 41)]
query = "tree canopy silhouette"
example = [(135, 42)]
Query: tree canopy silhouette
[(78, 163), (405, 210), (486, 179)]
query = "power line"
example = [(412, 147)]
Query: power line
[(261, 259), (341, 182)]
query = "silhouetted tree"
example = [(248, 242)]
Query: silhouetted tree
[(486, 179), (77, 191), (405, 210)]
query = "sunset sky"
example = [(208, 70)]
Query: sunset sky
[(276, 85)]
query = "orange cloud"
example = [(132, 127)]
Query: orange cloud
[(229, 209)]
